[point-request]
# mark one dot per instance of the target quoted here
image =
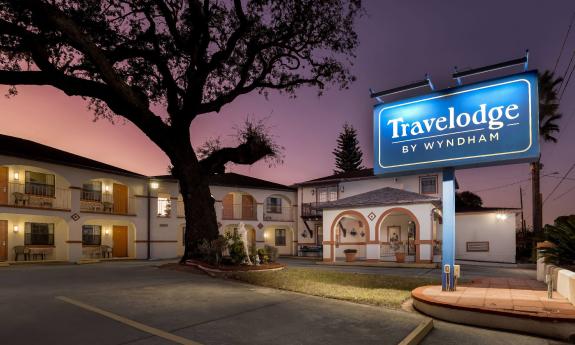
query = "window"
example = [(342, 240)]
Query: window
[(40, 184), (325, 194), (280, 237), (428, 184), (91, 235), (92, 191), (274, 205), (39, 234), (164, 206)]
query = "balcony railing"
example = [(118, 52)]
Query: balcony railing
[(312, 209), (181, 212), (108, 205), (240, 212), (35, 195), (276, 213)]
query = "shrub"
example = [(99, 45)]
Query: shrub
[(272, 252), (211, 251), (235, 248), (562, 235), (347, 251)]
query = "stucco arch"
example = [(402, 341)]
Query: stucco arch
[(353, 214), (400, 210)]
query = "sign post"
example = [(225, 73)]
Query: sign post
[(448, 248), (493, 122)]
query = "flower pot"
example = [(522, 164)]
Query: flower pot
[(350, 257), (400, 257)]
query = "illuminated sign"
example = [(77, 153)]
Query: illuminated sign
[(488, 123)]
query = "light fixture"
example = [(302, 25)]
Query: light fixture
[(265, 235), (342, 189), (107, 232), (312, 191), (501, 216), (16, 229), (154, 185), (16, 175), (107, 188)]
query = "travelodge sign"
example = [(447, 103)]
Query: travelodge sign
[(488, 123)]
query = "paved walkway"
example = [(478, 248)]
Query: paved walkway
[(102, 302), (508, 295)]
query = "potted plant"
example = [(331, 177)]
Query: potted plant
[(397, 247), (350, 254)]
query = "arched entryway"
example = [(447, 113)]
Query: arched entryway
[(398, 232), (349, 230)]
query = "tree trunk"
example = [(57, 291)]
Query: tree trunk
[(201, 221)]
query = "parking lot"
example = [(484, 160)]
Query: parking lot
[(106, 303)]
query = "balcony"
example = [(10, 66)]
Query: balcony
[(312, 210), (35, 195), (98, 202), (239, 212), (279, 214)]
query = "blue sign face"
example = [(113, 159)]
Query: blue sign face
[(488, 123)]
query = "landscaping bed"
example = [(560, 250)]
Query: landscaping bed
[(373, 289), (192, 265)]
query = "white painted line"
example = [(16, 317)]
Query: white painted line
[(140, 326), (417, 335)]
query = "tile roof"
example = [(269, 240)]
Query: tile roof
[(238, 180), (382, 196), (22, 148)]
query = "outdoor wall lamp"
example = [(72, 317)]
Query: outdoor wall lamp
[(16, 229), (107, 232), (107, 189), (342, 189), (501, 216), (154, 185), (312, 191), (16, 175)]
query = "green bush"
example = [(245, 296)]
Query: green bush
[(272, 252), (211, 251), (236, 248), (562, 235)]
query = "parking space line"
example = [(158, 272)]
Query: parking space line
[(140, 326)]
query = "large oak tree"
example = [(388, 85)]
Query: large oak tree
[(186, 58)]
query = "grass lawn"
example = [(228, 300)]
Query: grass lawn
[(375, 289)]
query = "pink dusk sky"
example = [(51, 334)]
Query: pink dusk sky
[(400, 41)]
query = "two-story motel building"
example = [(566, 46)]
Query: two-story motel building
[(55, 205)]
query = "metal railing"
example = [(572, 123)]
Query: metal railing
[(312, 209), (240, 212), (91, 195), (278, 213), (180, 211), (35, 195), (108, 205)]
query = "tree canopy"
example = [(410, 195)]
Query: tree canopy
[(348, 155)]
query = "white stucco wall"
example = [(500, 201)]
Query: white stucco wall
[(480, 227)]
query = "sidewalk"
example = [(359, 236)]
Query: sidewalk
[(503, 303)]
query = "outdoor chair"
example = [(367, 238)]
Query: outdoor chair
[(106, 251), (108, 206), (21, 250)]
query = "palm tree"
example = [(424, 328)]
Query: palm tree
[(548, 127), (562, 235)]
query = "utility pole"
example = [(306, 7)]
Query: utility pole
[(537, 200), (521, 201)]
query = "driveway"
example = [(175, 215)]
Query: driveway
[(195, 307), (468, 271)]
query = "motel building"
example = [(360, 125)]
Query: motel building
[(58, 206)]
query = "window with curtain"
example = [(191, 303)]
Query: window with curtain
[(428, 184), (39, 234), (280, 237), (274, 205), (91, 235), (40, 184), (92, 191)]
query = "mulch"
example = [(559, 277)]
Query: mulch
[(227, 268)]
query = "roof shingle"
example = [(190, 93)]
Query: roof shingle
[(382, 197)]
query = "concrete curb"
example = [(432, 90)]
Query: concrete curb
[(417, 335), (379, 264)]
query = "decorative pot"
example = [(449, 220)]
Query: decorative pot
[(350, 257), (400, 257)]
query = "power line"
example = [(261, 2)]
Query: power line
[(508, 184), (565, 193), (559, 183), (564, 41), (566, 84), (566, 70)]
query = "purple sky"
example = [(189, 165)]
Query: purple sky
[(400, 42)]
